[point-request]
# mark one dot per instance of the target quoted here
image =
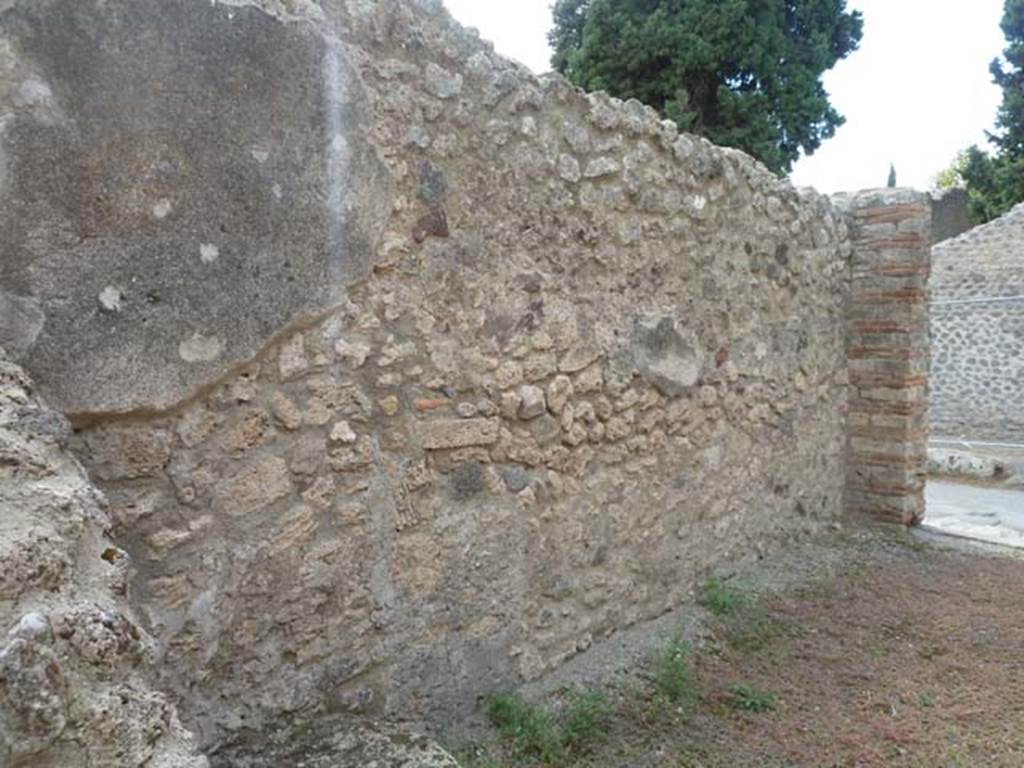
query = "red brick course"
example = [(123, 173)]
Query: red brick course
[(889, 353)]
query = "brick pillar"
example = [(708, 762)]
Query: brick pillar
[(889, 352)]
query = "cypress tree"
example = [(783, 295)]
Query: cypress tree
[(995, 181), (743, 73)]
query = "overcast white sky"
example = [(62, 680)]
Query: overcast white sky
[(916, 92)]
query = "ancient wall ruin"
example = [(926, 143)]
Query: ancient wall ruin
[(76, 678), (977, 306), (423, 379), (889, 351)]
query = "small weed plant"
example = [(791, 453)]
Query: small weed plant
[(671, 674), (746, 626), (528, 729), (746, 698), (722, 599), (536, 732), (585, 720)]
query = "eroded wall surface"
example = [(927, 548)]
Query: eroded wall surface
[(587, 358), (977, 306), (76, 684)]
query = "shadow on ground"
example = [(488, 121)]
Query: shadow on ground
[(861, 649)]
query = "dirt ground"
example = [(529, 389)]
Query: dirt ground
[(864, 649)]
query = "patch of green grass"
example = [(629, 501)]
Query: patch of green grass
[(722, 599), (585, 719), (752, 630), (926, 701), (530, 730), (535, 731), (746, 625), (749, 699), (671, 673)]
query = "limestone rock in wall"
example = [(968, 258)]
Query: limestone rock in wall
[(671, 361), (459, 434), (75, 676)]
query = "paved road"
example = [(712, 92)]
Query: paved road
[(987, 514)]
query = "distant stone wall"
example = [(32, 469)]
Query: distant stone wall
[(978, 333), (538, 360), (951, 214)]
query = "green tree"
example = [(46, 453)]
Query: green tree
[(892, 176), (952, 177), (744, 73), (1008, 74), (567, 34), (995, 181)]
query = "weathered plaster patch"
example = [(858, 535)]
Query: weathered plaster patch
[(200, 349), (33, 93), (339, 144), (208, 253), (110, 299), (6, 53), (162, 208), (21, 322), (3, 155), (338, 159)]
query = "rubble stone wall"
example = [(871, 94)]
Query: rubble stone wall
[(977, 307), (540, 359)]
